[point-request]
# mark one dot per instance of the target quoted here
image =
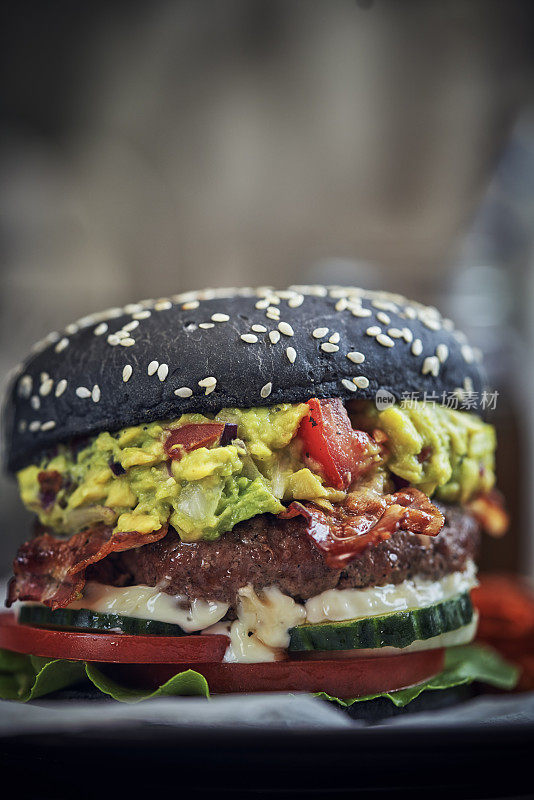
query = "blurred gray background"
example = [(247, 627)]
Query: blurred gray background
[(150, 148)]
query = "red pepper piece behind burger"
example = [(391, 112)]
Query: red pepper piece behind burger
[(330, 439)]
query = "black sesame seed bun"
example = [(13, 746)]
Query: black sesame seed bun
[(201, 351)]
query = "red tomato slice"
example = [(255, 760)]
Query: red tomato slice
[(109, 647), (341, 677), (192, 436), (330, 439)]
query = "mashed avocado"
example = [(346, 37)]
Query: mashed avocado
[(127, 480), (439, 450)]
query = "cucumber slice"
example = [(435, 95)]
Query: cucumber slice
[(398, 629), (85, 619)]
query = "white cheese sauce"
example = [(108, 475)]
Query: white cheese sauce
[(148, 602)]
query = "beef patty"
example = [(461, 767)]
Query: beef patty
[(266, 550)]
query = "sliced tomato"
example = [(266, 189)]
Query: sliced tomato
[(330, 439), (190, 437), (109, 647), (341, 677)]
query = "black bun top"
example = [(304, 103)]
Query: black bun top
[(201, 351)]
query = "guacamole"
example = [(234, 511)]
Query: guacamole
[(127, 479), (438, 450)]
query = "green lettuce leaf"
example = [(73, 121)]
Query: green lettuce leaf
[(28, 677), (462, 665)]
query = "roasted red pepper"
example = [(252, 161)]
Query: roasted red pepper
[(330, 439)]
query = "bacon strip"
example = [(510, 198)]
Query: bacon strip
[(52, 571), (365, 520)]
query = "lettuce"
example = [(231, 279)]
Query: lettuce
[(26, 678), (462, 665)]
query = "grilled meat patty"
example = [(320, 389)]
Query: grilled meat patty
[(267, 550)]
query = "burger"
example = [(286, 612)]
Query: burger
[(280, 490)]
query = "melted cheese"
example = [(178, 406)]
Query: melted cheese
[(147, 602), (335, 605)]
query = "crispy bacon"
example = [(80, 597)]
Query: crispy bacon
[(364, 520), (52, 571), (490, 512)]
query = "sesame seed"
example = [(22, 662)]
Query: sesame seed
[(127, 373), (334, 339), (417, 347), (206, 325), (266, 390), (318, 333), (100, 329), (291, 353), (328, 347), (442, 352), (48, 426), (122, 334), (132, 308), (348, 385), (153, 367), (273, 314), (341, 304), (467, 353), (25, 385), (183, 391), (263, 303), (61, 386), (274, 336), (384, 340), (295, 302), (250, 338), (34, 426), (61, 345), (191, 305), (46, 387), (374, 330), (95, 394), (430, 366), (142, 314), (163, 371), (361, 312), (356, 357), (431, 322), (83, 393), (113, 340), (395, 333), (410, 313), (361, 381), (408, 335), (285, 328), (35, 402), (71, 329), (163, 305), (259, 328), (383, 317), (208, 384), (131, 326), (220, 317), (128, 342)]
